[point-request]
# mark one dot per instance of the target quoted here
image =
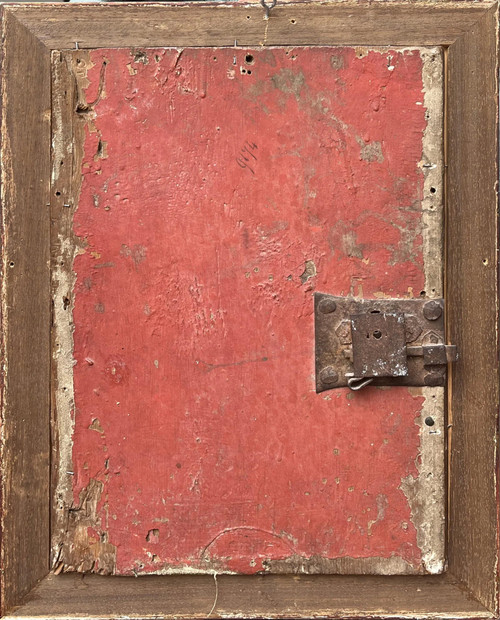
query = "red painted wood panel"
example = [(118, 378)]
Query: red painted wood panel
[(221, 187)]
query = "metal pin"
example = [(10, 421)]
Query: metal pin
[(76, 45), (353, 383)]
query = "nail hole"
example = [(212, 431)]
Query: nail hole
[(248, 16), (485, 261), (11, 264), (429, 421), (249, 59), (249, 72), (377, 334), (422, 293), (292, 21), (433, 190), (374, 311), (58, 193)]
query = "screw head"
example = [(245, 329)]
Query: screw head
[(434, 379), (328, 376), (433, 310), (326, 306), (412, 328)]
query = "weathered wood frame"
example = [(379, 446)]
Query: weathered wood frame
[(469, 32)]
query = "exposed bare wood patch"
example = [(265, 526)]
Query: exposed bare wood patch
[(69, 73), (85, 547)]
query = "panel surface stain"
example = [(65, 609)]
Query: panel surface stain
[(221, 188)]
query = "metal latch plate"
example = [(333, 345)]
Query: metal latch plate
[(390, 341)]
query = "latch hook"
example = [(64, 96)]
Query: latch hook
[(268, 7), (353, 382)]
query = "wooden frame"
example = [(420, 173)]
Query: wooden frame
[(468, 31)]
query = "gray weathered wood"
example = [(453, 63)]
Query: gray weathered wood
[(470, 31), (25, 310), (272, 596), (472, 308)]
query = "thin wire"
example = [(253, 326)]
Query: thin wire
[(216, 595)]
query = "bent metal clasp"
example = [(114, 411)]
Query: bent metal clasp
[(362, 342)]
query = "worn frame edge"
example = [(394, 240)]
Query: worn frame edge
[(24, 442), (9, 13)]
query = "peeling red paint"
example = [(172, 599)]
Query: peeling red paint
[(234, 183)]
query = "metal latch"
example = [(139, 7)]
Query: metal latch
[(380, 341)]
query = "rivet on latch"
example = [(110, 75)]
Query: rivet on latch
[(433, 310), (434, 379), (326, 306), (328, 376)]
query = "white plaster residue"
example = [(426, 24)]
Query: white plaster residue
[(63, 283), (432, 167), (65, 248), (426, 492)]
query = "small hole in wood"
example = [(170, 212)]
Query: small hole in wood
[(422, 293), (11, 264), (293, 21), (249, 72), (248, 17), (58, 193), (377, 334), (433, 190), (485, 261), (249, 59)]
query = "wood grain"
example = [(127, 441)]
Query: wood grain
[(272, 596), (25, 310), (471, 31), (205, 24), (472, 306)]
